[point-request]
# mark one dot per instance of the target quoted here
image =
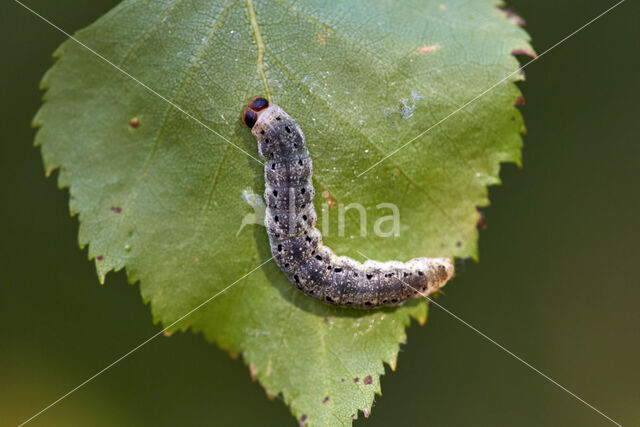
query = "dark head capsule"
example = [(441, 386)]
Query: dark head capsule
[(249, 117), (258, 104)]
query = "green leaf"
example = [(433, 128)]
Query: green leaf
[(164, 199)]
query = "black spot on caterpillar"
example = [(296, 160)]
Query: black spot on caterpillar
[(297, 245)]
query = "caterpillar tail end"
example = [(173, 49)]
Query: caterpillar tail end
[(451, 270), (446, 271)]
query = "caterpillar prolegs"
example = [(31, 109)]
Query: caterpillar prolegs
[(297, 245)]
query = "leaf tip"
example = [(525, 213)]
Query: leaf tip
[(422, 319), (524, 52), (512, 16), (253, 372)]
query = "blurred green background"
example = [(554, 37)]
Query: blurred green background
[(557, 283)]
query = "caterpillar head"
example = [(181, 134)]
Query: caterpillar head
[(250, 115)]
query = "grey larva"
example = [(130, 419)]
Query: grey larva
[(297, 245)]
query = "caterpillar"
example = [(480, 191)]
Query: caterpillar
[(296, 244)]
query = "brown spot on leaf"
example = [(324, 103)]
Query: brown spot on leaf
[(303, 418), (134, 122), (99, 257), (525, 52), (196, 259), (356, 379), (116, 209), (325, 400), (330, 200), (427, 49), (321, 39), (341, 379), (519, 101), (458, 244), (167, 333), (482, 223), (367, 380), (442, 7), (366, 412), (325, 320)]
